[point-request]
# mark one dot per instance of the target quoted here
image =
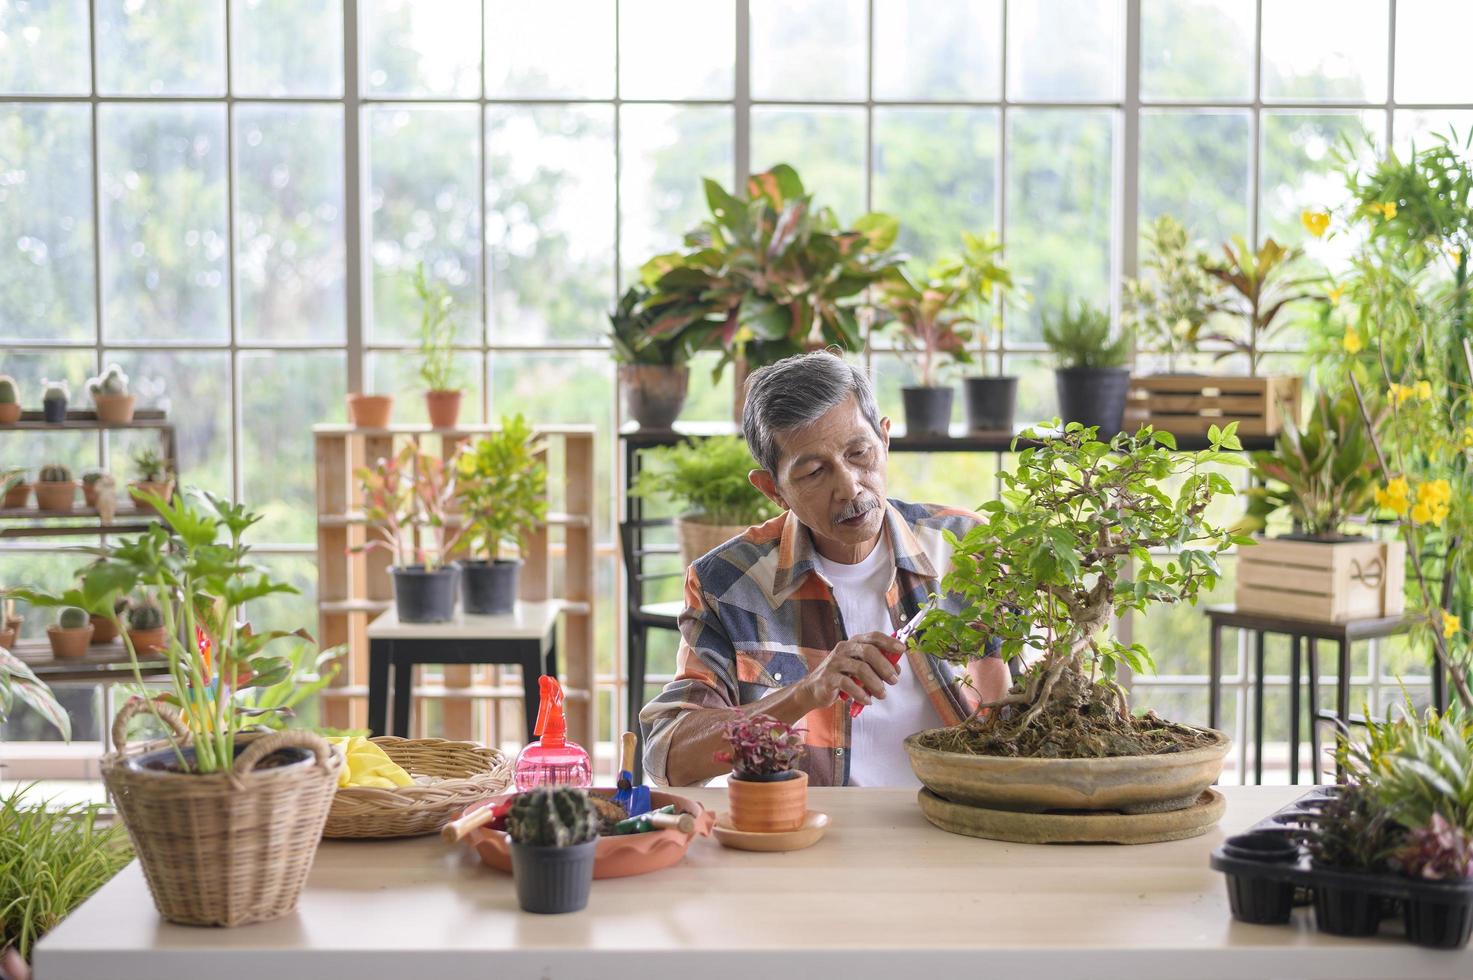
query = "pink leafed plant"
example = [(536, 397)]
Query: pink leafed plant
[(1440, 851), (760, 746), (407, 499)]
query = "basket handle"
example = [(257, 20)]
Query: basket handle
[(163, 712), (291, 738)]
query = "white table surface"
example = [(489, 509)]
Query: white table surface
[(883, 895), (528, 621)]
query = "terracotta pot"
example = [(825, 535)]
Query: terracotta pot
[(17, 495), (89, 493), (7, 638), (56, 496), (654, 393), (148, 641), (104, 630), (696, 538), (370, 411), (69, 644), (9, 413), (114, 409), (768, 806), (164, 490), (444, 408), (1131, 784)]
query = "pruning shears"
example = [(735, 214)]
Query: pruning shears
[(902, 634)]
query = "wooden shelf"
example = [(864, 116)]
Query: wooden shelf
[(357, 517), (424, 429), (86, 421), (436, 692)]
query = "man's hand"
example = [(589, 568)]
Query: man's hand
[(858, 666)]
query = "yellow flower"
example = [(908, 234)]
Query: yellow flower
[(1468, 437), (1351, 341), (1335, 295), (1434, 501), (1424, 390), (1389, 209), (1395, 496), (1315, 222), (1400, 393), (1421, 513), (1450, 625)]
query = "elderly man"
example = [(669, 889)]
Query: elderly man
[(792, 613)]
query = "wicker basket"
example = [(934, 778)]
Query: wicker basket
[(227, 848), (472, 773)]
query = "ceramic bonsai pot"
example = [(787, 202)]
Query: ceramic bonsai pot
[(423, 596), (772, 805), (927, 410), (104, 630), (69, 644), (1131, 784), (148, 642), (53, 410), (17, 495), (990, 403), (696, 538), (1093, 396), (61, 496), (654, 393), (443, 407), (489, 588), (370, 411), (552, 880), (114, 409)]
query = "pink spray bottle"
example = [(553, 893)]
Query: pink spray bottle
[(552, 760)]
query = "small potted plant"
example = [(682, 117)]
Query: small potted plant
[(151, 476), (370, 411), (111, 397), (1166, 309), (1353, 832), (105, 629), (501, 485), (14, 489), (653, 337), (91, 481), (1091, 378), (437, 367), (144, 623), (9, 400), (54, 397), (554, 834), (767, 795), (406, 500), (707, 479), (71, 635), (56, 490)]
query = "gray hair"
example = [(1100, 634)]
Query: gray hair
[(796, 391)]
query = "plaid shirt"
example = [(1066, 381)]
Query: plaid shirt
[(759, 615)]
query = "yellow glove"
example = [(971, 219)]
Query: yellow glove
[(365, 764)]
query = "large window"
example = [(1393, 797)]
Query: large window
[(228, 198)]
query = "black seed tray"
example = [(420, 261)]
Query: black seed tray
[(1268, 864)]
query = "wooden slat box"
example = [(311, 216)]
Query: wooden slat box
[(1188, 404), (1323, 582)]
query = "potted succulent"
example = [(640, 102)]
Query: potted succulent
[(54, 397), (767, 795), (151, 477), (71, 635), (554, 834), (1092, 379), (370, 411), (56, 490), (105, 628), (9, 400), (437, 367), (226, 822), (653, 337), (14, 490), (91, 482), (143, 620), (1048, 568), (111, 397), (707, 479), (501, 485), (406, 499)]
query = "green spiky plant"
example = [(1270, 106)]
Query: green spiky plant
[(708, 479), (437, 367), (144, 614), (552, 816), (1354, 831), (149, 465), (1080, 337)]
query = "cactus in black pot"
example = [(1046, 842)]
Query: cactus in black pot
[(554, 833), (54, 398)]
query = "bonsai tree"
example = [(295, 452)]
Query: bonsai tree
[(501, 486), (1049, 566), (1167, 307), (406, 500), (1256, 289)]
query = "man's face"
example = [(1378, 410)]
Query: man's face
[(831, 475)]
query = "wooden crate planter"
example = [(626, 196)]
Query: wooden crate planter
[(1322, 582), (1188, 404)]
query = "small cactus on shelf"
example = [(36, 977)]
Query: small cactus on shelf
[(53, 391), (144, 614), (9, 390), (72, 618), (55, 473), (149, 465), (92, 476), (553, 816), (761, 746), (110, 382)]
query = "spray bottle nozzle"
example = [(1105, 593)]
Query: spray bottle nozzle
[(552, 725)]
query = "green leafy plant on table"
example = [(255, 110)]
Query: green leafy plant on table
[(501, 484), (1049, 566), (1167, 307)]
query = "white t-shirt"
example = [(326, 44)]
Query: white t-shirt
[(877, 755)]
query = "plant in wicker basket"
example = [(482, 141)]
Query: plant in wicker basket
[(186, 798), (554, 833)]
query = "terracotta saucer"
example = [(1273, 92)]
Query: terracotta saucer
[(814, 825)]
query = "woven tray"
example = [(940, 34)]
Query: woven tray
[(476, 772)]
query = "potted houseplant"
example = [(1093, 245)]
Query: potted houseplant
[(1048, 568), (1256, 290), (56, 490), (406, 499), (653, 337), (707, 479), (9, 400), (1353, 832), (370, 411), (1166, 309), (225, 822), (1091, 379), (151, 476), (501, 485), (71, 635), (143, 620), (437, 368), (767, 795), (111, 397), (105, 628), (554, 834), (54, 397), (14, 489), (92, 481), (991, 399)]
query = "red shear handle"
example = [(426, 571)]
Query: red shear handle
[(856, 708)]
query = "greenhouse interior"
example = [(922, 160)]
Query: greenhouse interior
[(638, 487)]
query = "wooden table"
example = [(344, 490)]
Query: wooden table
[(883, 896)]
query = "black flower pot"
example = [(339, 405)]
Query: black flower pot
[(54, 410), (1257, 899), (489, 588), (551, 880), (1346, 911), (1093, 396), (1444, 925), (990, 403), (927, 410), (425, 596)]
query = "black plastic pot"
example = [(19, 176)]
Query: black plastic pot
[(489, 588), (1093, 396), (165, 760), (1444, 925), (423, 596), (551, 880), (1346, 911), (927, 410), (990, 403), (1253, 898), (54, 410)]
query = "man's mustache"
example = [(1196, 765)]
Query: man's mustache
[(862, 505)]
